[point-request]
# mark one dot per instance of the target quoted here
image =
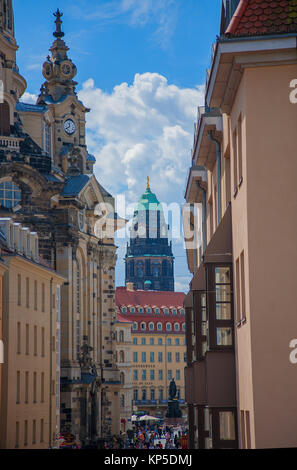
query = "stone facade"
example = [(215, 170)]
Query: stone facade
[(47, 183)]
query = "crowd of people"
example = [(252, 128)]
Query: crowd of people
[(151, 436)]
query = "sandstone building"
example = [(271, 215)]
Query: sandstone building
[(241, 309), (47, 184)]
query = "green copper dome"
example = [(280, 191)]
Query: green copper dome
[(148, 201)]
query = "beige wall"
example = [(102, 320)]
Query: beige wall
[(20, 360)]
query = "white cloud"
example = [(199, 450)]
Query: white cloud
[(29, 98), (142, 129)]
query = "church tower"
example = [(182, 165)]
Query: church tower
[(149, 258), (59, 95)]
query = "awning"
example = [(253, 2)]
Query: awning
[(219, 249)]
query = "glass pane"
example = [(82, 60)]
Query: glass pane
[(227, 426), (203, 300), (223, 276), (223, 311), (223, 293), (224, 336)]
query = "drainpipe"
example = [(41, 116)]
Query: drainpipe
[(218, 152), (204, 216)]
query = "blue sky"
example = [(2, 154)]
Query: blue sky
[(141, 68)]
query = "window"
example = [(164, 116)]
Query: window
[(143, 356), (10, 194), (18, 388), (35, 295), (135, 394), (178, 374), (122, 378), (121, 337), (34, 432), (135, 374), (184, 327), (227, 426), (135, 326), (177, 342), (19, 289), (151, 327), (176, 327), (25, 433), (223, 293), (224, 337), (169, 374), (43, 298), (160, 357), (152, 357), (140, 310), (242, 279), (182, 311), (174, 311), (122, 401), (18, 338), (169, 341), (168, 327), (17, 434), (42, 387), (152, 341), (152, 374), (160, 374), (35, 340), (27, 292), (35, 387), (143, 341), (47, 138), (27, 339), (134, 340), (41, 430), (27, 387), (169, 357), (159, 326), (177, 357), (122, 357), (143, 374), (135, 359), (161, 394), (152, 394), (124, 309), (235, 169), (42, 342), (143, 326), (160, 342), (148, 310), (4, 119), (157, 311), (143, 394), (166, 311)]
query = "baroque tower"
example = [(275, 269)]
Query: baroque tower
[(47, 183), (149, 258)]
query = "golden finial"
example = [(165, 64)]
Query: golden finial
[(148, 183)]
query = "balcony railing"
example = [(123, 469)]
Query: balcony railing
[(10, 143)]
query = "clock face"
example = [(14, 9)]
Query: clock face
[(66, 69), (69, 127)]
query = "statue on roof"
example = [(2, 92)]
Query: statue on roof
[(58, 33)]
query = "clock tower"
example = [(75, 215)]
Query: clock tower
[(58, 93)]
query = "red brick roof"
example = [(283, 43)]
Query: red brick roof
[(149, 298), (261, 17), (121, 319)]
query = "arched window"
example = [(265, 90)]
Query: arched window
[(157, 311), (124, 310), (159, 326), (148, 310), (176, 327), (10, 194), (4, 119), (174, 311), (135, 326), (182, 311), (132, 310), (168, 327), (143, 326), (122, 378), (151, 327), (121, 336)]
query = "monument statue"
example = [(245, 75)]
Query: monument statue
[(172, 390)]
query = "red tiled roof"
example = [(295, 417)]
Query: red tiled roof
[(149, 298), (121, 319), (261, 17)]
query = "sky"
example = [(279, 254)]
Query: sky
[(141, 69)]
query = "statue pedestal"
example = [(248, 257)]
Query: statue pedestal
[(173, 411)]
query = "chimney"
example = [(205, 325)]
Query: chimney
[(130, 287)]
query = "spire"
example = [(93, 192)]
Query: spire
[(148, 183), (58, 33)]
